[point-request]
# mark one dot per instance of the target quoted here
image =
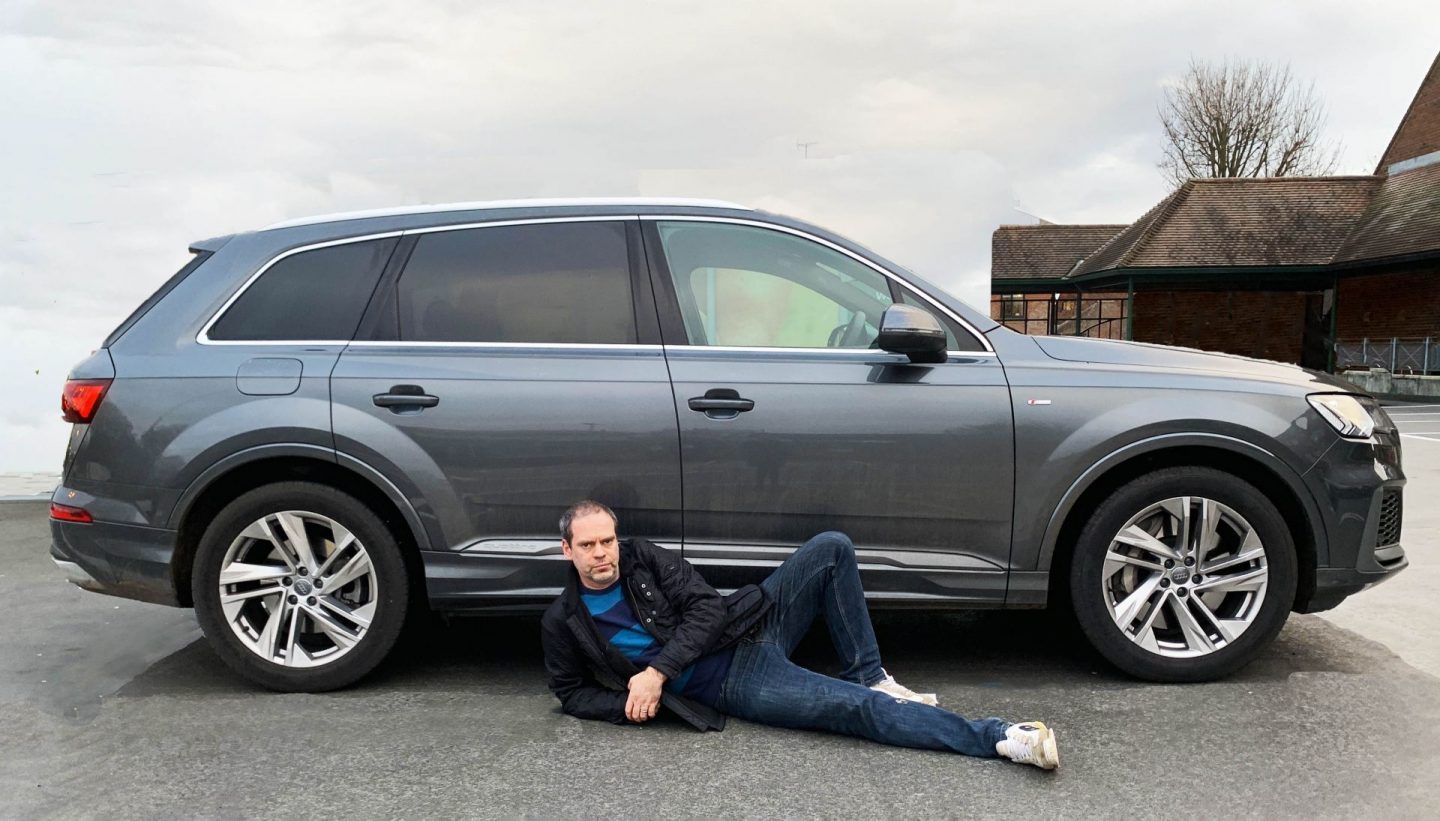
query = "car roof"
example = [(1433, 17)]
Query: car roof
[(406, 210)]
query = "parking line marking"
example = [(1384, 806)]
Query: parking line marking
[(1409, 407), (1418, 436)]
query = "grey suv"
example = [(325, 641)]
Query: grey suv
[(314, 428)]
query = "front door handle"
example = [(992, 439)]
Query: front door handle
[(406, 398), (721, 403)]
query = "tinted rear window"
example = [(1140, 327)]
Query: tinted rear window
[(315, 295), (552, 282)]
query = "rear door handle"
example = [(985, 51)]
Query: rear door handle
[(402, 398), (721, 403), (738, 405)]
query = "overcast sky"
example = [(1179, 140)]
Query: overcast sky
[(132, 128)]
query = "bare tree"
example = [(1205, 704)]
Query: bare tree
[(1238, 119)]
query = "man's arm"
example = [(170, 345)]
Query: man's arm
[(701, 612), (570, 680)]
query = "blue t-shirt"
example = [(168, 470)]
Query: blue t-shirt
[(618, 625)]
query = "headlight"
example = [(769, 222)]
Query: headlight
[(1344, 413)]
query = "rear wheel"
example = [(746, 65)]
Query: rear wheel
[(1183, 575), (300, 587)]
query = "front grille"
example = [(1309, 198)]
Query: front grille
[(1389, 532)]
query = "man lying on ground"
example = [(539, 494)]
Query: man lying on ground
[(637, 628)]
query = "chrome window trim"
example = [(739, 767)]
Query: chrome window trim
[(528, 548), (204, 336), (566, 346), (286, 342), (832, 246), (869, 558), (822, 351)]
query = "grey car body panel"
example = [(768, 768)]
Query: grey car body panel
[(1119, 400), (1073, 420), (863, 442), (154, 435), (98, 365), (211, 244), (1172, 359), (517, 436), (215, 470), (181, 414), (122, 560)]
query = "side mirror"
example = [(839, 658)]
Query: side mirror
[(912, 331)]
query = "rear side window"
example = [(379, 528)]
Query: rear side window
[(313, 296), (544, 283)]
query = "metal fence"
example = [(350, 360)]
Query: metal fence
[(1395, 355)]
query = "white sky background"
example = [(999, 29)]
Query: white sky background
[(130, 129)]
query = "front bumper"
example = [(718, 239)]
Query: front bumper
[(1334, 584), (120, 560), (1362, 487)]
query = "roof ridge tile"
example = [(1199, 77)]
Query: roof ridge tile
[(1167, 209)]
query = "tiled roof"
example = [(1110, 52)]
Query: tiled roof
[(1113, 253), (1403, 218), (1419, 131), (1268, 221), (1043, 251), (1259, 222)]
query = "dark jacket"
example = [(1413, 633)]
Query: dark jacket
[(684, 613)]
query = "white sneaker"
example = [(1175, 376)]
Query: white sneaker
[(892, 687), (1030, 742)]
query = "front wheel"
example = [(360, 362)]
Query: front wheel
[(299, 587), (1183, 574)]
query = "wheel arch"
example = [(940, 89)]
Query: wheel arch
[(256, 467), (1272, 476)]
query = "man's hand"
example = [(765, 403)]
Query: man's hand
[(644, 700)]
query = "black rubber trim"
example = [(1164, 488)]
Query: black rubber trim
[(381, 320)]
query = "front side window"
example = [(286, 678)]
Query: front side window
[(744, 286), (316, 295), (543, 283)]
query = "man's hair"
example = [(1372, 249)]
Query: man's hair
[(583, 508)]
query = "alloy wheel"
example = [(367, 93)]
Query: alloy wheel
[(298, 589), (1185, 577)]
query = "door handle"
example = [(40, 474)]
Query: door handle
[(405, 397), (721, 403)]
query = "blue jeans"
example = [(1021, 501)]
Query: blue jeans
[(766, 687)]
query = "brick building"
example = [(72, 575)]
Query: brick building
[(1308, 270)]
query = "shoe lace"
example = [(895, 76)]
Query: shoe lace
[(1022, 746)]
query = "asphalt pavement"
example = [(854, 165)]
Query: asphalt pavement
[(117, 709)]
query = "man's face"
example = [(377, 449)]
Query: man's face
[(594, 550)]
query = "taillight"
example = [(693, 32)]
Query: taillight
[(66, 513), (81, 399)]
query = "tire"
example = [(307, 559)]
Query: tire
[(341, 633), (1228, 616)]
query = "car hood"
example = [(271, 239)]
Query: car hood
[(1142, 354)]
